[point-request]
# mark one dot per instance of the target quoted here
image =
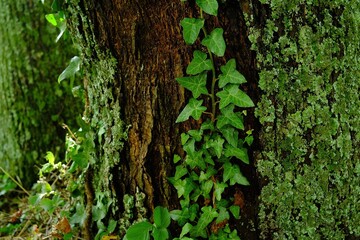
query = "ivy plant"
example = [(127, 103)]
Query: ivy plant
[(142, 230), (210, 166)]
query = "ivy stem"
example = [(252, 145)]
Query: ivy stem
[(213, 81)]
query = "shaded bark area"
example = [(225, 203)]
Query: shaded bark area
[(145, 38)]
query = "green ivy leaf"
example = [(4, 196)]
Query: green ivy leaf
[(215, 42), (208, 6), (240, 153), (48, 205), (235, 210), (160, 234), (216, 144), (184, 187), (139, 231), (231, 135), (177, 158), (219, 189), (79, 216), (205, 219), (180, 172), (210, 171), (228, 171), (161, 217), (228, 116), (191, 29), (196, 84), (199, 64), (181, 216), (206, 188), (185, 230), (192, 109), (230, 74), (70, 71), (238, 177), (223, 215), (232, 94)]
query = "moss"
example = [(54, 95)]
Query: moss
[(102, 110), (32, 104), (309, 55)]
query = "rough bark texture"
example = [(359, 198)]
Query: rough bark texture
[(145, 38)]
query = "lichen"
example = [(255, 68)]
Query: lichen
[(103, 108), (308, 53)]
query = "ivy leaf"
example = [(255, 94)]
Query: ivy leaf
[(230, 74), (216, 144), (231, 135), (206, 187), (180, 172), (240, 153), (192, 109), (223, 215), (238, 177), (228, 116), (232, 94), (228, 171), (215, 42), (196, 84), (199, 64), (235, 210), (208, 6), (161, 217), (181, 216), (219, 189), (70, 71), (160, 234), (79, 216), (185, 229), (191, 29), (139, 231), (205, 219)]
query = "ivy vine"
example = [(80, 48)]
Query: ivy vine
[(209, 166)]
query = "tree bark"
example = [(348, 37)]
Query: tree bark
[(145, 38)]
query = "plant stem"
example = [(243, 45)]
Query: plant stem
[(13, 179), (213, 81)]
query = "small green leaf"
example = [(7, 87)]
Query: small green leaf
[(232, 94), (219, 189), (70, 71), (139, 231), (208, 6), (230, 74), (184, 138), (196, 84), (228, 116), (231, 135), (181, 216), (192, 109), (160, 234), (215, 42), (216, 144), (79, 216), (48, 205), (161, 217), (210, 171), (180, 172), (176, 158), (228, 171), (50, 158), (206, 187), (111, 226), (191, 29), (205, 219), (235, 210), (223, 215), (185, 230), (238, 177), (240, 153), (51, 18), (199, 64)]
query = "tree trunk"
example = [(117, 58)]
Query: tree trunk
[(32, 103), (139, 92)]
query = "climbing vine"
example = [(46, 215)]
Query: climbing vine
[(210, 166)]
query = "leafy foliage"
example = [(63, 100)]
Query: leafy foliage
[(216, 144)]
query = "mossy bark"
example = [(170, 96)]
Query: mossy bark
[(145, 39), (32, 104)]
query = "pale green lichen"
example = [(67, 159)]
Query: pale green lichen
[(309, 55), (103, 110)]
